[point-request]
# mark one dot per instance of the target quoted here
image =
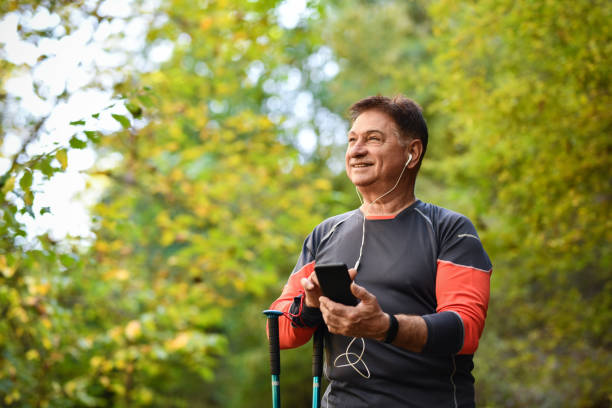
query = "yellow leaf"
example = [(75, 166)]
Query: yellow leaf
[(118, 274), (70, 387), (6, 270), (145, 396), (9, 185), (179, 342), (32, 355), (95, 361), (205, 23), (62, 157), (47, 343), (42, 288), (115, 333), (133, 329), (322, 184), (167, 237), (21, 314), (101, 246), (28, 198)]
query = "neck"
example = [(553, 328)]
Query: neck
[(390, 204)]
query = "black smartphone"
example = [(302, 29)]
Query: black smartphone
[(335, 283)]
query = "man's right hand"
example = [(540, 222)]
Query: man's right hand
[(312, 289)]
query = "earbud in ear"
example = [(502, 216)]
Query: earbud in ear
[(409, 160)]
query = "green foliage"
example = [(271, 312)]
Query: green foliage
[(518, 104), (529, 106), (203, 215), (208, 207), (199, 222)]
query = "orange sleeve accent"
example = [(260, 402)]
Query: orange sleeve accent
[(464, 290), (289, 336)]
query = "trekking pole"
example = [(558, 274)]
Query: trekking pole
[(317, 366), (272, 316)]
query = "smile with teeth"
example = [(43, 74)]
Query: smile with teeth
[(361, 165)]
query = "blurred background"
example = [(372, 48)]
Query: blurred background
[(162, 161)]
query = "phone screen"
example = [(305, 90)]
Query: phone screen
[(335, 283)]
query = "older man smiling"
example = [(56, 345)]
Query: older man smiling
[(420, 273)]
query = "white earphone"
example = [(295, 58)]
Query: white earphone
[(409, 160)]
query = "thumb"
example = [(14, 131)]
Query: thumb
[(361, 293), (352, 273)]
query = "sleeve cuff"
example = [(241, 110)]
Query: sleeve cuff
[(444, 333), (304, 316)]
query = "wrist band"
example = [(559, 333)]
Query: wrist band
[(393, 326)]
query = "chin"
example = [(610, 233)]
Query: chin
[(361, 182)]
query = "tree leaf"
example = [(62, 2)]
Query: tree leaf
[(125, 122), (67, 260), (26, 180), (9, 183), (28, 198), (134, 109), (45, 166), (62, 157), (92, 135), (77, 143), (146, 100), (77, 122)]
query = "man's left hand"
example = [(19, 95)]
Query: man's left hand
[(364, 320)]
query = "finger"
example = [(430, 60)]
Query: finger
[(324, 304), (331, 319), (362, 293), (338, 310), (352, 273), (307, 284), (327, 306), (314, 279)]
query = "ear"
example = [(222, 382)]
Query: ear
[(414, 151)]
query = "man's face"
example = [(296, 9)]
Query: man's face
[(374, 157)]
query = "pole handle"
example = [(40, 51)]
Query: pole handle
[(272, 316), (317, 352)]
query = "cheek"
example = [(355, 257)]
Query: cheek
[(346, 162)]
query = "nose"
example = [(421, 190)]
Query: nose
[(358, 149)]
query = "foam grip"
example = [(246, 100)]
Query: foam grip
[(274, 347), (317, 352)]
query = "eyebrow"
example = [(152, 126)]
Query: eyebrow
[(367, 132)]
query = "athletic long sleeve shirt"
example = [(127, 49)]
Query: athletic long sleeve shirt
[(425, 261)]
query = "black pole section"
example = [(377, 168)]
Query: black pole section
[(272, 316), (317, 365), (274, 347), (317, 352)]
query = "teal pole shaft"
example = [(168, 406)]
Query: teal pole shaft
[(316, 392), (275, 391), (272, 316)]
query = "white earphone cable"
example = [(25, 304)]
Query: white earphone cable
[(368, 205), (347, 353)]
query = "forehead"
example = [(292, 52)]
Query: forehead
[(373, 120)]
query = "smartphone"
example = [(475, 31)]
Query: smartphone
[(335, 283)]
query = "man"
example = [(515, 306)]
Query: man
[(421, 275)]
